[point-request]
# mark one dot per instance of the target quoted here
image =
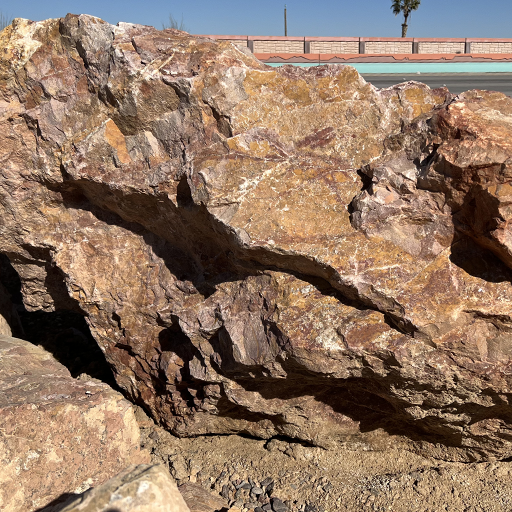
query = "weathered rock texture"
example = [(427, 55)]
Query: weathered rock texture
[(268, 251), (198, 499), (142, 488), (57, 434)]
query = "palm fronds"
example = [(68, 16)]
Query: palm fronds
[(405, 6)]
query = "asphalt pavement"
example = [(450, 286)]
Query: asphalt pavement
[(456, 82)]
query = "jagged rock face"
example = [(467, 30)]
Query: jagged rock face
[(268, 251)]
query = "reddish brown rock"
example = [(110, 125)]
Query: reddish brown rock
[(57, 434), (268, 251)]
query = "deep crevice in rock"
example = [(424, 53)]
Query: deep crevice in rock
[(289, 440), (64, 333)]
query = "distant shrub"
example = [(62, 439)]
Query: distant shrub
[(4, 20), (173, 23)]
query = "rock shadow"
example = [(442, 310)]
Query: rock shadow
[(67, 499), (59, 503), (175, 343), (479, 262), (64, 332), (374, 403)]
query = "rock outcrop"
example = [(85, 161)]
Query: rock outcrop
[(266, 251), (142, 488), (57, 434)]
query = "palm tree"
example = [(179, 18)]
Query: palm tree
[(406, 7)]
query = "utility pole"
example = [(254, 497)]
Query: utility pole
[(285, 24)]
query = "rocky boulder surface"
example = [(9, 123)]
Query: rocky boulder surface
[(57, 434), (264, 251), (198, 499), (142, 488)]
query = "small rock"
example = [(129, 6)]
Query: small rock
[(252, 482), (278, 505), (178, 468), (257, 491), (225, 492), (267, 506), (267, 481), (154, 436), (269, 489), (199, 499), (258, 509)]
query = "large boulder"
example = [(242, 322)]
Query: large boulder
[(141, 488), (268, 251), (57, 434)]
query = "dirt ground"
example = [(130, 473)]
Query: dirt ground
[(310, 479)]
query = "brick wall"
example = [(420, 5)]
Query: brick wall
[(440, 47), (491, 47), (238, 42), (334, 47), (388, 47), (261, 46)]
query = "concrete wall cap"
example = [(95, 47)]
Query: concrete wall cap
[(439, 40), (210, 36), (387, 39), (275, 38), (484, 40), (332, 39), (305, 56), (364, 39)]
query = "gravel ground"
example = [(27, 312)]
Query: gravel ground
[(280, 475)]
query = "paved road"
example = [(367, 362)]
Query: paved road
[(456, 82)]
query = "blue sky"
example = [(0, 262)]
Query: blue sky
[(435, 18)]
